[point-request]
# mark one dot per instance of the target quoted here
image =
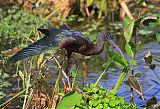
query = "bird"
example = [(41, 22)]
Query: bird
[(63, 38)]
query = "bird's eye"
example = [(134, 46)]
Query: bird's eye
[(107, 36)]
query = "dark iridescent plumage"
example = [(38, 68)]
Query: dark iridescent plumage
[(72, 41)]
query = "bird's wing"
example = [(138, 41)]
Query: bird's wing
[(33, 49), (68, 41), (44, 31), (65, 27), (53, 30), (82, 48)]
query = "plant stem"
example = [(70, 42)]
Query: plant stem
[(2, 106), (100, 77), (120, 79), (69, 86), (156, 74)]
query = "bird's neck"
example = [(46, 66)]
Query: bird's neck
[(98, 48), (99, 44)]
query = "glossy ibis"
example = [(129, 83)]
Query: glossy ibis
[(71, 40)]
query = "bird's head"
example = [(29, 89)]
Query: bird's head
[(104, 35)]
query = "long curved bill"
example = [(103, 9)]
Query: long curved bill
[(113, 44)]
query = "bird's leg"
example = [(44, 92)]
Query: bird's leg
[(67, 62), (66, 68), (63, 73), (63, 60)]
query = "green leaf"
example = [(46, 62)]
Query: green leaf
[(121, 78), (119, 60), (21, 75), (4, 75), (126, 82), (126, 22), (73, 74), (95, 103), (112, 103), (133, 62), (89, 2), (138, 75), (69, 100), (129, 50), (140, 3), (156, 59), (100, 106), (104, 5), (128, 28), (95, 96), (108, 63), (149, 19), (124, 61), (158, 37)]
